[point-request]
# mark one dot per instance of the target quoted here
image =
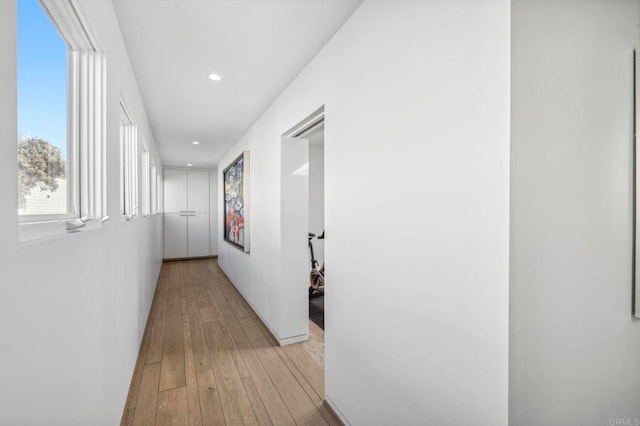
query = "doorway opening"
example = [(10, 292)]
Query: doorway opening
[(310, 131), (303, 188), (316, 225)]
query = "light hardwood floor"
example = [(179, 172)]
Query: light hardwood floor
[(207, 359)]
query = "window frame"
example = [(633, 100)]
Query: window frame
[(129, 202), (71, 164), (160, 192), (154, 188), (146, 180), (86, 127)]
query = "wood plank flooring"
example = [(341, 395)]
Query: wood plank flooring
[(207, 359)]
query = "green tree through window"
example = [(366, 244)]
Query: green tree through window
[(40, 164)]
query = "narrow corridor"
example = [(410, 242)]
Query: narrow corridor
[(207, 359)]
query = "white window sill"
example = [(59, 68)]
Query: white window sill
[(35, 231), (128, 218)]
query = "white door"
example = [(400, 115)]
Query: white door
[(175, 235), (198, 231), (175, 191), (198, 192)]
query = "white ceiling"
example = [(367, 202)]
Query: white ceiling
[(257, 46)]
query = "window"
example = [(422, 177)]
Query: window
[(43, 152), (146, 181), (154, 188), (45, 160), (128, 164), (61, 116), (160, 195)]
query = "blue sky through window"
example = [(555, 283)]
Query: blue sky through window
[(42, 77)]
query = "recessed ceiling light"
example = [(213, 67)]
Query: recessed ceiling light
[(189, 165), (195, 143), (214, 77)]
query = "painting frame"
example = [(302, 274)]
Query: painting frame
[(635, 273), (235, 201)]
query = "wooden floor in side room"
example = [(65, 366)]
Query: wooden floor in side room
[(207, 359)]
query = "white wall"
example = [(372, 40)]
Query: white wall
[(213, 211), (316, 192), (574, 346), (416, 98), (72, 307)]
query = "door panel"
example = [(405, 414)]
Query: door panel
[(198, 235), (175, 235), (198, 192), (175, 191)]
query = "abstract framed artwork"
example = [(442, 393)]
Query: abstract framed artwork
[(236, 202)]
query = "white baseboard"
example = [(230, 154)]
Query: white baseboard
[(282, 341), (336, 411), (292, 339)]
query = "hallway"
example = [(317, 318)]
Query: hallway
[(207, 359)]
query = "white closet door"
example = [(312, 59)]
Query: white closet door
[(198, 193), (198, 235), (175, 191), (175, 235)]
